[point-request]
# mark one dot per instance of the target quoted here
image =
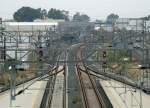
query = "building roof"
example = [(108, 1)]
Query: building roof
[(29, 26), (31, 23)]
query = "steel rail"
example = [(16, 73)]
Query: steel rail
[(80, 69)]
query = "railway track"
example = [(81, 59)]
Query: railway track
[(49, 90), (90, 94), (50, 99), (30, 81), (95, 72), (118, 78)]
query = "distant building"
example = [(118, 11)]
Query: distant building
[(103, 26), (49, 20), (122, 23), (71, 26), (29, 26), (135, 24), (80, 28), (38, 24)]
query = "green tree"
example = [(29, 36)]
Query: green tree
[(148, 17), (58, 14), (112, 18), (145, 18), (44, 13), (27, 14), (81, 17)]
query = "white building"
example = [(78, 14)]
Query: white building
[(29, 26), (135, 24)]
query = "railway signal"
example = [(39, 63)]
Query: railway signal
[(40, 53), (104, 65), (104, 54), (10, 65)]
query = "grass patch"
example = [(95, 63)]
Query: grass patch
[(76, 99)]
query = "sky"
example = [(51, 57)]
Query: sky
[(96, 9)]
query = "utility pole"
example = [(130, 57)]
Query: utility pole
[(141, 85), (12, 70)]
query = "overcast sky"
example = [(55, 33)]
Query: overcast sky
[(96, 9)]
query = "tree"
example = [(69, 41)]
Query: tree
[(58, 14), (44, 13), (112, 18), (27, 14), (81, 17), (148, 17), (66, 15), (145, 18)]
